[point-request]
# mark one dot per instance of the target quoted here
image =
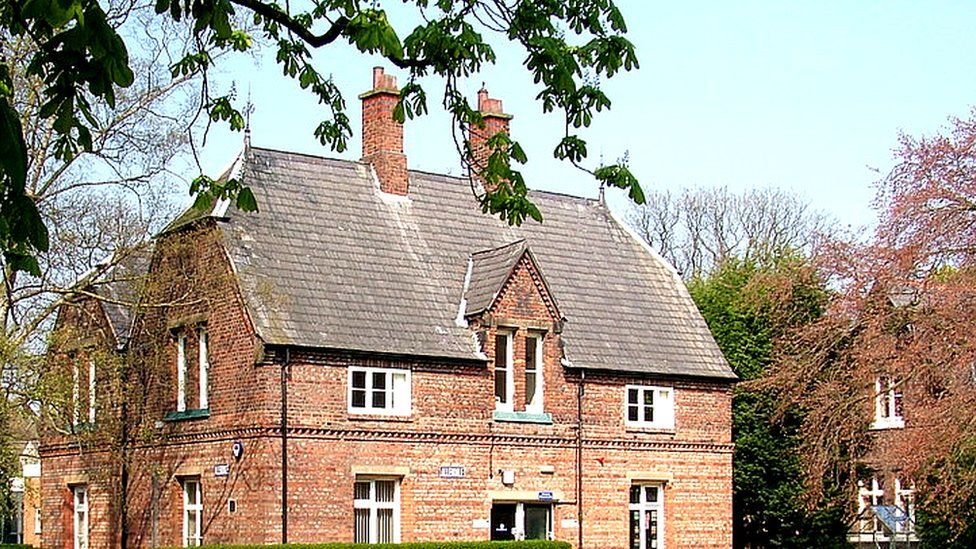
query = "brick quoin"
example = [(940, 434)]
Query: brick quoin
[(451, 421)]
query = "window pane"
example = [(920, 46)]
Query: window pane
[(379, 380), (635, 494), (362, 525), (361, 491), (358, 398), (635, 530), (385, 490), (501, 385), (650, 534), (651, 493), (530, 343), (359, 380), (379, 399), (401, 392), (633, 413), (632, 396), (501, 351), (191, 527), (384, 523), (191, 492), (648, 397), (529, 387), (649, 414)]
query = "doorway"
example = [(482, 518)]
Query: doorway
[(518, 521)]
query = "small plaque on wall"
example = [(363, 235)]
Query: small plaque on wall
[(221, 470), (481, 524), (452, 471)]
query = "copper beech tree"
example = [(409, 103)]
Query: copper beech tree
[(904, 311)]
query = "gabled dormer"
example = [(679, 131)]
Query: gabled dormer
[(509, 303)]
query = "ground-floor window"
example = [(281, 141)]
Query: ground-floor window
[(376, 505), (646, 516), (870, 494), (80, 496), (517, 521), (192, 513), (13, 525)]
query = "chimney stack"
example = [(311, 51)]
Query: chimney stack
[(495, 121), (383, 136)]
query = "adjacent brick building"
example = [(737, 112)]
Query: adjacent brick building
[(370, 359)]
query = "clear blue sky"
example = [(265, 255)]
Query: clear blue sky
[(805, 96)]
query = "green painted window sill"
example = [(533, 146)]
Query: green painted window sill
[(201, 413), (523, 417)]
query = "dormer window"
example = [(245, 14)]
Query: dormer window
[(504, 383), (887, 404)]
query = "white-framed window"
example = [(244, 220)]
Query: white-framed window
[(887, 404), (204, 361), (37, 520), (646, 516), (379, 391), (91, 391), (80, 497), (504, 382), (192, 512), (905, 501), (376, 509), (870, 494), (181, 372), (75, 393), (649, 407), (534, 377)]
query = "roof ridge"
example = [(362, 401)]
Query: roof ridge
[(502, 247)]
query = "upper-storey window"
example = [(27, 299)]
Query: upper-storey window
[(650, 407), (379, 391), (83, 392), (534, 379), (504, 383), (192, 384), (887, 404), (203, 360)]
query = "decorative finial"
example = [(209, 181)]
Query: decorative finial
[(248, 109)]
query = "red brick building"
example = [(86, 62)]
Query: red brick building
[(370, 359)]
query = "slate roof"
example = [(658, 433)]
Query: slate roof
[(331, 262), (120, 284)]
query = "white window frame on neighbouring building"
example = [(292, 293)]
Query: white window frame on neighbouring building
[(204, 362), (870, 494), (192, 507), (367, 507), (383, 391), (534, 375), (181, 372), (905, 500), (81, 505), (649, 407), (888, 400), (504, 372), (75, 393), (648, 503)]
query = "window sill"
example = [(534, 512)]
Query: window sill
[(522, 417), (391, 418), (649, 429), (201, 413), (881, 425)]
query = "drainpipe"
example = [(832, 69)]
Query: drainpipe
[(285, 371), (579, 458)]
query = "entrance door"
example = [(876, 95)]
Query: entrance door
[(537, 521), (503, 521)]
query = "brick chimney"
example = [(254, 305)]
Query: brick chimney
[(383, 136), (495, 121)]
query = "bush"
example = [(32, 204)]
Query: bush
[(529, 544)]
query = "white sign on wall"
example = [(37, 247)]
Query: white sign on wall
[(452, 471)]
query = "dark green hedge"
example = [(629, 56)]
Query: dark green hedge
[(531, 544)]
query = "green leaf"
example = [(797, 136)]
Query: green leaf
[(13, 149), (246, 201)]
